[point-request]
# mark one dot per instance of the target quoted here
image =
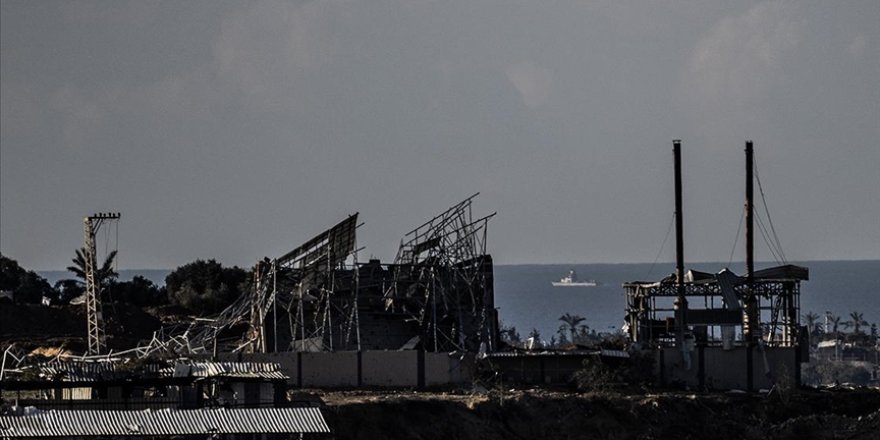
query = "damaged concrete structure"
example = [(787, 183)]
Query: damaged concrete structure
[(436, 296), (120, 384), (720, 330)]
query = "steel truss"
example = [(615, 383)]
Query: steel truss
[(442, 280), (777, 298), (437, 295), (94, 318)]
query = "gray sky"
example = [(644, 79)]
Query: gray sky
[(236, 130)]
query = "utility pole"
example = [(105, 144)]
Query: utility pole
[(681, 304), (95, 322), (751, 329)]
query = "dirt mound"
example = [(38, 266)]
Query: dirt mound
[(532, 414)]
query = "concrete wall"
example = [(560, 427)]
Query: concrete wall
[(782, 367), (390, 368), (343, 369), (555, 369), (716, 368), (675, 370), (725, 370), (520, 369), (329, 369), (443, 369)]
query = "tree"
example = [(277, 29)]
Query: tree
[(26, 286), (835, 324), (813, 325), (535, 339), (858, 320), (510, 335), (572, 321), (585, 334), (563, 339), (139, 291), (103, 275), (206, 287)]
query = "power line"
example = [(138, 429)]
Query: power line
[(769, 220), (764, 233), (662, 245), (736, 240)]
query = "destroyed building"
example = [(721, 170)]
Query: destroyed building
[(720, 330), (436, 296)]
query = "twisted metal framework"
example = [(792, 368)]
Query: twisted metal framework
[(442, 280), (438, 294), (717, 301), (451, 237), (321, 317), (306, 280)]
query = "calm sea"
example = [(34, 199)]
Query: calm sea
[(526, 299)]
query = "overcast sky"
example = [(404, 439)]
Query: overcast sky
[(237, 130)]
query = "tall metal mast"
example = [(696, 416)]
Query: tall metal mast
[(681, 304), (751, 329), (93, 303)]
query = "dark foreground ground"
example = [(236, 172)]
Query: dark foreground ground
[(537, 414), (512, 414)]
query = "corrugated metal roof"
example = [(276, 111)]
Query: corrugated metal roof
[(785, 272), (508, 354), (97, 371), (93, 371), (64, 423), (259, 370), (614, 353)]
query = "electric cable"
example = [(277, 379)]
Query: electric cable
[(662, 245), (736, 239), (769, 220)]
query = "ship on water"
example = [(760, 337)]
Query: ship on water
[(571, 280)]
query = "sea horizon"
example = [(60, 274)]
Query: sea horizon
[(525, 298)]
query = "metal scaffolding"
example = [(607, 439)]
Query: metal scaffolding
[(442, 280), (717, 314), (437, 295), (761, 307)]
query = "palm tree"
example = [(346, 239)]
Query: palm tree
[(812, 320), (572, 321), (103, 275), (835, 324), (858, 320)]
